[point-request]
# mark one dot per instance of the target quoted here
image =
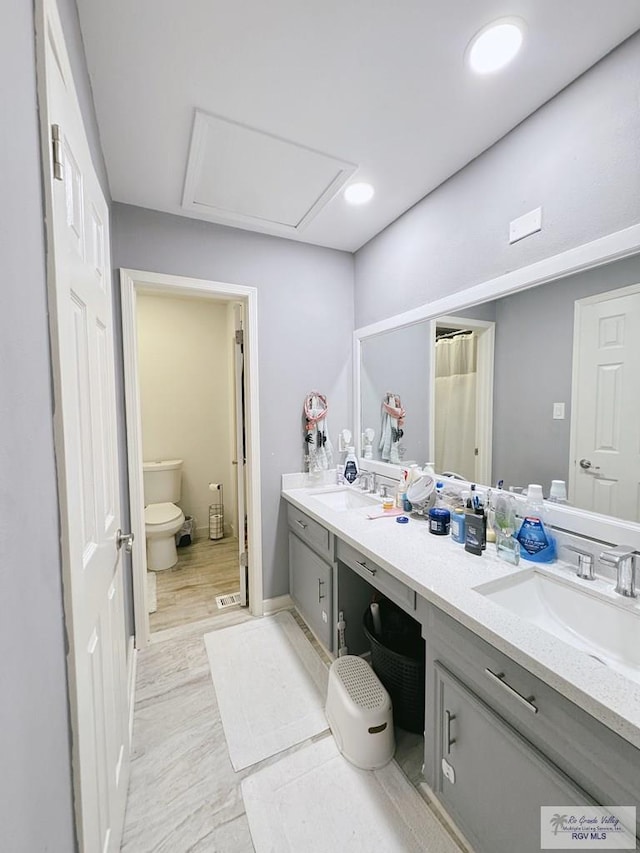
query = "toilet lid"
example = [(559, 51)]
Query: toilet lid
[(161, 513)]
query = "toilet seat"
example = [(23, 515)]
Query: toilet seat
[(163, 513)]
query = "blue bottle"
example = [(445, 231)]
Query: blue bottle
[(457, 525), (536, 542)]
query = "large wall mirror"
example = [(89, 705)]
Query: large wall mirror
[(562, 401)]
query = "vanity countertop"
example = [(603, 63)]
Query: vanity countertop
[(442, 572)]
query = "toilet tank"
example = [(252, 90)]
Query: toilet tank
[(162, 481)]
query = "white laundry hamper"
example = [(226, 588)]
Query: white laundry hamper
[(359, 713)]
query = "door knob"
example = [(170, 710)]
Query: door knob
[(586, 464), (125, 539)]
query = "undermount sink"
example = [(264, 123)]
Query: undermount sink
[(583, 618), (343, 498)]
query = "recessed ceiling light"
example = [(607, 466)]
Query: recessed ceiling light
[(359, 193), (495, 45)]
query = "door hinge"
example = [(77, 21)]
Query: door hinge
[(56, 144), (240, 336), (244, 559)]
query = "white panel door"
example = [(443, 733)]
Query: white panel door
[(83, 363), (605, 462)]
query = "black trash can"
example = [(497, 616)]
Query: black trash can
[(398, 659)]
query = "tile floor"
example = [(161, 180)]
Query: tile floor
[(187, 592), (184, 794)]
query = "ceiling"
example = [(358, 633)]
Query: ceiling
[(294, 99)]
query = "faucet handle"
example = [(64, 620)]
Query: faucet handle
[(614, 555), (623, 557), (585, 568)]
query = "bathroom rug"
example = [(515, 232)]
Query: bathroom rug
[(315, 800), (270, 684)]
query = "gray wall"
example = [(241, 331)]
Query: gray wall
[(36, 809), (398, 361), (534, 339), (577, 156), (305, 307)]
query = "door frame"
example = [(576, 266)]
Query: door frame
[(485, 331), (132, 282), (580, 304)]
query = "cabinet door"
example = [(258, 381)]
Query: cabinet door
[(490, 779), (310, 587)]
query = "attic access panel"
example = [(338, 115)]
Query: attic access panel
[(243, 176)]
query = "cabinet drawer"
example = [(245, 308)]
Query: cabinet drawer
[(311, 532), (385, 583)]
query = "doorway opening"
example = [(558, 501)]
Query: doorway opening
[(190, 353), (461, 397)]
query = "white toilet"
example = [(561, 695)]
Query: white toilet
[(162, 518)]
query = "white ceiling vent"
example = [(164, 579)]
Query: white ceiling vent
[(242, 176)]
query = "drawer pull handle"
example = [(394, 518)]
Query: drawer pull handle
[(301, 524), (364, 566), (527, 701), (320, 585), (449, 741)]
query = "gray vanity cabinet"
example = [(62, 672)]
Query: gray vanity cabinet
[(311, 575), (510, 742), (491, 781)]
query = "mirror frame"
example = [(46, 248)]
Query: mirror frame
[(611, 247)]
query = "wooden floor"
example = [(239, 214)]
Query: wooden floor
[(187, 592)]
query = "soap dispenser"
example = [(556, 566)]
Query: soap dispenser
[(351, 471)]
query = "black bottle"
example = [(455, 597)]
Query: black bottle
[(474, 533)]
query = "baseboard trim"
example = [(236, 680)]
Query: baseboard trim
[(273, 605), (431, 798), (132, 666)]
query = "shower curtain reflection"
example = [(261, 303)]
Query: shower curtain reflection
[(455, 404)]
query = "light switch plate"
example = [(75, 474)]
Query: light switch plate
[(525, 225), (558, 411)]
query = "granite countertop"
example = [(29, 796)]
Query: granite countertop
[(442, 572)]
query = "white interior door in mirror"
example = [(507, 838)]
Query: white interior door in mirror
[(605, 458)]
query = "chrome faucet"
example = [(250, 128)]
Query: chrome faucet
[(624, 559), (367, 481), (363, 480), (585, 568)]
